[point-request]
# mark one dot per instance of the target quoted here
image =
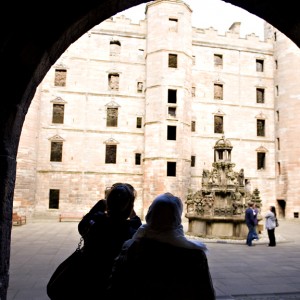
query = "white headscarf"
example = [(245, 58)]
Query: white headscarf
[(163, 223)]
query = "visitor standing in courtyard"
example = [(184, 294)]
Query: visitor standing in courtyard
[(250, 222), (104, 229), (159, 262), (100, 208), (255, 213), (270, 218)]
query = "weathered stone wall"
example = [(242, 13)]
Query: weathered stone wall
[(287, 107), (83, 175)]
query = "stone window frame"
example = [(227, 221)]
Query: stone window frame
[(56, 148), (173, 24), (60, 77), (217, 125), (260, 95), (218, 61), (114, 47), (139, 86), (261, 154), (111, 147), (114, 84), (111, 107), (112, 114), (58, 101), (218, 90), (172, 111), (260, 64), (260, 127), (173, 60)]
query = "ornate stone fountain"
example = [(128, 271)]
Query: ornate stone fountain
[(218, 209)]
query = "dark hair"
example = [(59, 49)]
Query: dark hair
[(273, 210), (120, 200)]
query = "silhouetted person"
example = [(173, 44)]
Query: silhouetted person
[(159, 262), (105, 228)]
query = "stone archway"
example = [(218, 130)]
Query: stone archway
[(31, 41)]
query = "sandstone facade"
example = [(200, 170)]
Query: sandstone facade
[(179, 81)]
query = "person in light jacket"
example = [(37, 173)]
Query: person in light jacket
[(271, 225)]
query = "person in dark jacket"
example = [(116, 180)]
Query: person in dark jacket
[(159, 262), (104, 229), (251, 224)]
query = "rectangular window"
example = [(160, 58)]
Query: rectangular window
[(172, 96), (193, 126), (139, 87), (218, 91), (261, 160), (58, 113), (193, 91), (139, 122), (138, 158), (259, 65), (141, 53), (260, 95), (218, 124), (115, 48), (111, 154), (56, 151), (172, 111), (218, 61), (171, 133), (112, 117), (278, 168), (260, 127), (60, 77), (277, 115), (171, 168), (277, 90), (173, 24), (193, 161), (278, 144), (113, 81), (172, 60), (53, 199)]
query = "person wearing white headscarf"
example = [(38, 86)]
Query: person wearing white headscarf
[(159, 262)]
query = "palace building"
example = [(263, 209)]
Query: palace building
[(146, 103)]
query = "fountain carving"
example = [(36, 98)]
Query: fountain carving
[(218, 209)]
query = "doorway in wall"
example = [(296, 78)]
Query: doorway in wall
[(281, 208)]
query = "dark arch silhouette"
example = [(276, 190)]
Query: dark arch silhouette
[(33, 38)]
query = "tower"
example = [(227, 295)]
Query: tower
[(167, 150)]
